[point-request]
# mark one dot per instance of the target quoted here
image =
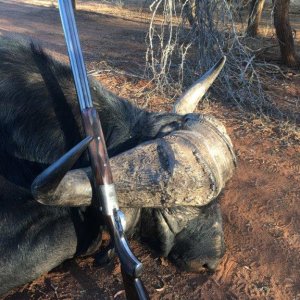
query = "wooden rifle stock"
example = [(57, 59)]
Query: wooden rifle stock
[(97, 149)]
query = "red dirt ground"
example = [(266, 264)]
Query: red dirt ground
[(260, 204)]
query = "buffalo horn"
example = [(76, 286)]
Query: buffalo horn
[(188, 102), (45, 186)]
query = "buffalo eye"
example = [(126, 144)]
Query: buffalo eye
[(168, 128), (191, 117)]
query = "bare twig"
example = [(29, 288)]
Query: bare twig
[(178, 51), (97, 72), (268, 65)]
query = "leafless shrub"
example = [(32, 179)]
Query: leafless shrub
[(187, 37), (113, 2)]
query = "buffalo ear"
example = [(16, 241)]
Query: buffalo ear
[(188, 102)]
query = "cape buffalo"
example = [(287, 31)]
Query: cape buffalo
[(39, 122)]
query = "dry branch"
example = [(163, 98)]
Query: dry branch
[(179, 50)]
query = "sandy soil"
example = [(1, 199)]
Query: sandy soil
[(260, 204)]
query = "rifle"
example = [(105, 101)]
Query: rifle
[(106, 197)]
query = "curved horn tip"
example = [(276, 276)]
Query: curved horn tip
[(188, 102), (46, 182), (219, 65)]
